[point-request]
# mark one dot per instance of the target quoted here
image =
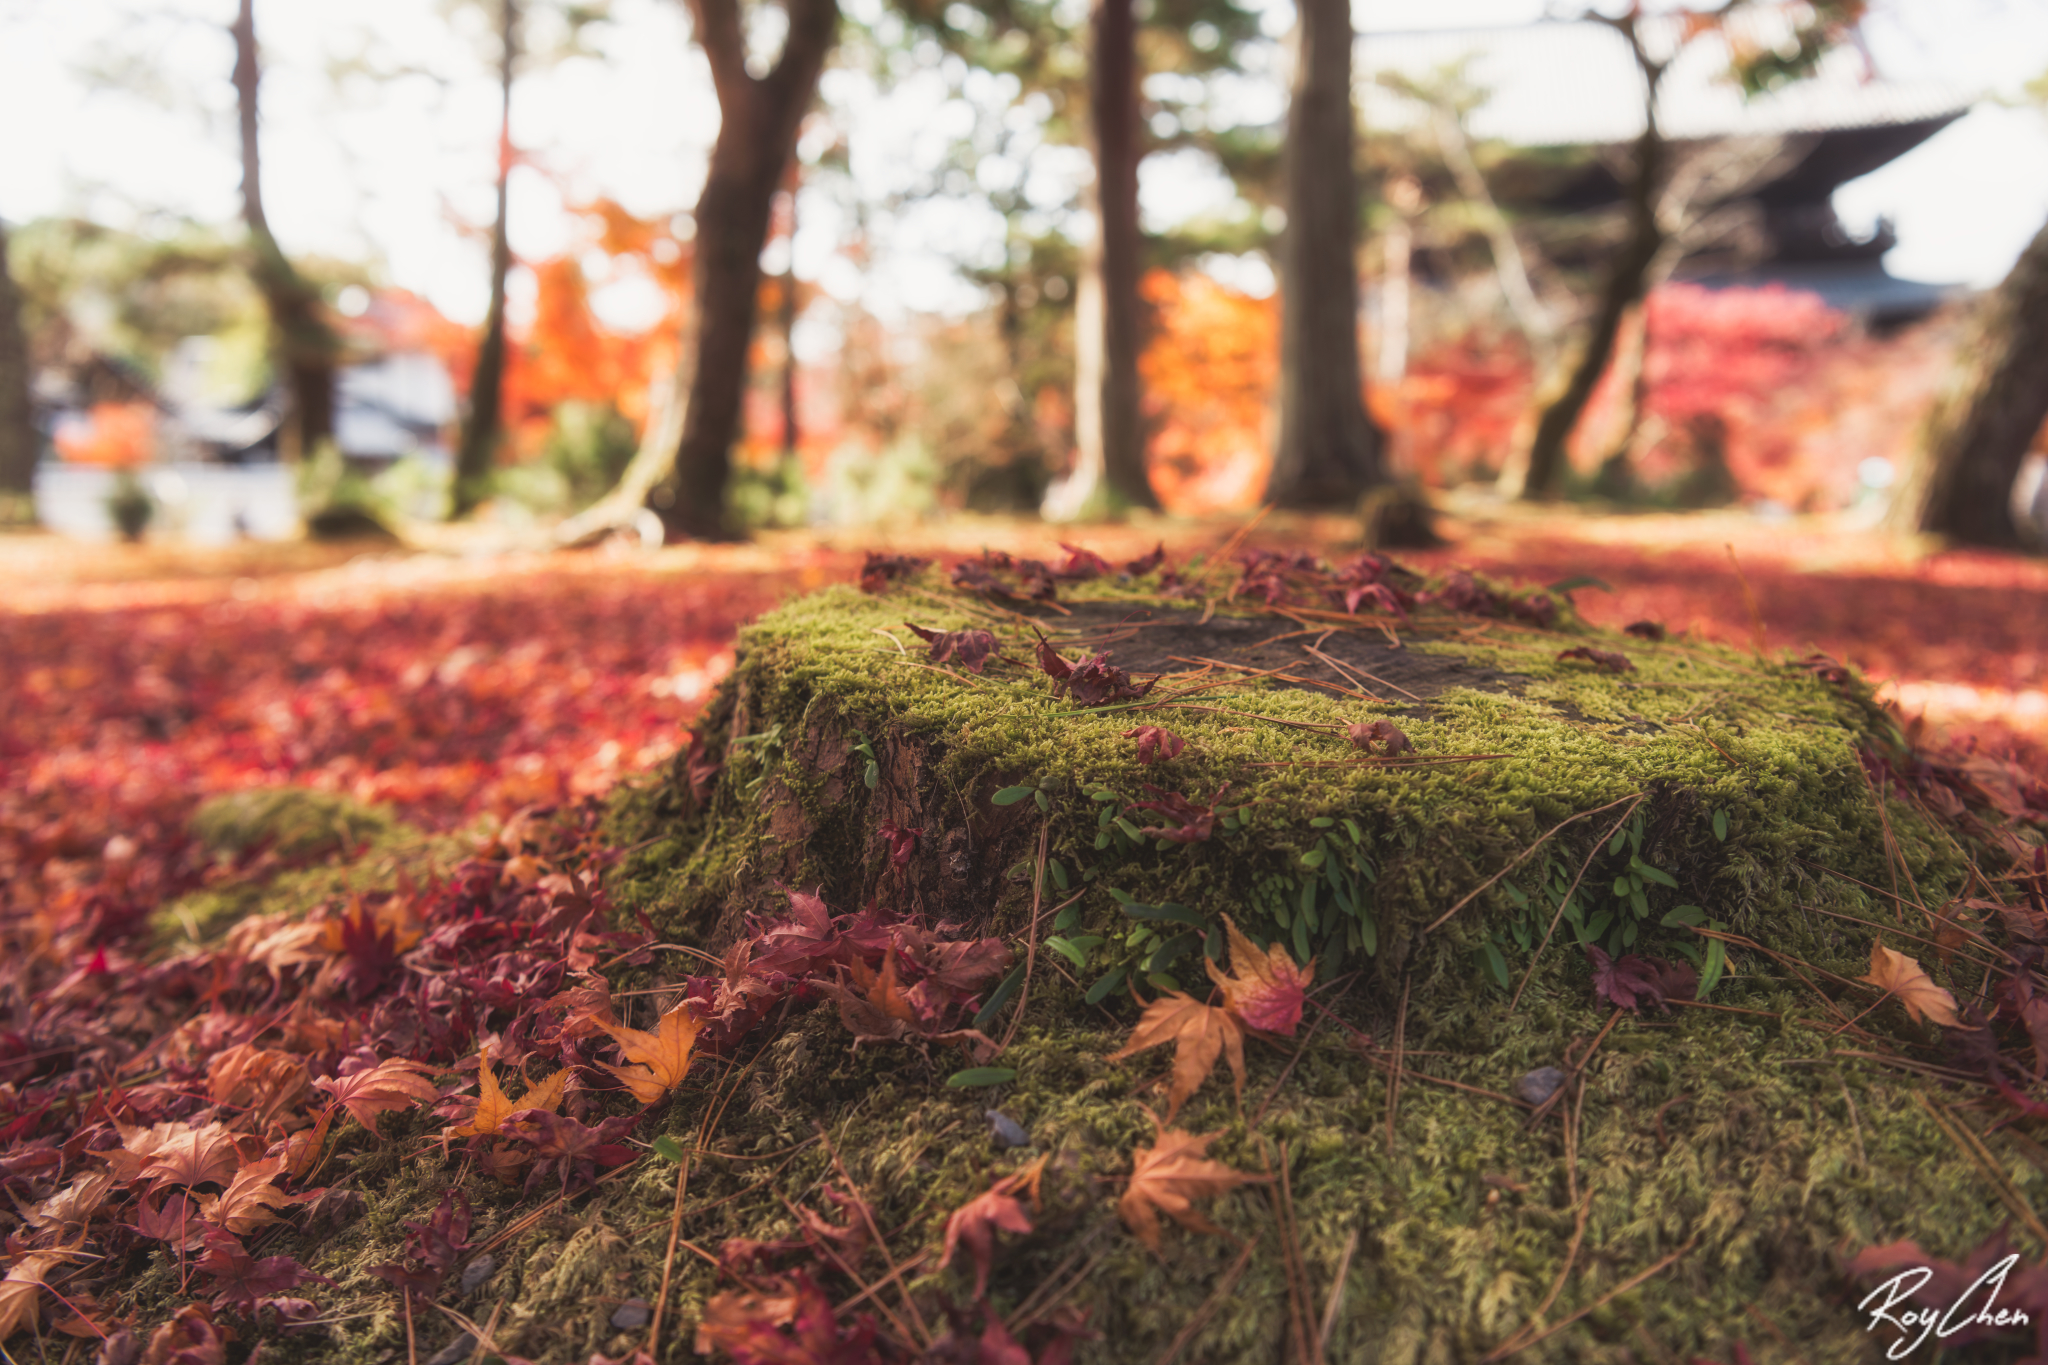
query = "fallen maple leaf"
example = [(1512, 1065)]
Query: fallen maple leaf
[(880, 570), (1899, 975), (1199, 1033), (1168, 1177), (1155, 744), (493, 1108), (1264, 989), (259, 1080), (247, 1202), (1385, 733), (173, 1154), (974, 1223), (74, 1205), (659, 1059), (970, 647), (21, 1291), (240, 1279), (1629, 980), (749, 1327), (392, 1084)]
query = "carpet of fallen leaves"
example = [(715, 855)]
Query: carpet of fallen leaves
[(180, 1108)]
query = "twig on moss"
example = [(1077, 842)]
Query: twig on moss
[(1503, 1351), (412, 1350), (1282, 1192), (1972, 1147), (1346, 670), (1336, 1299), (1520, 858), (1394, 1072), (1584, 867), (1050, 1291), (668, 1263), (860, 1203), (1227, 549), (1195, 1324), (1571, 1256), (1374, 761), (1030, 936)]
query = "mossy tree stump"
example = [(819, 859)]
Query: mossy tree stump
[(1735, 1146)]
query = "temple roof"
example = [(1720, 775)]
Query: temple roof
[(1574, 82)]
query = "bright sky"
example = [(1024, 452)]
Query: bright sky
[(397, 169)]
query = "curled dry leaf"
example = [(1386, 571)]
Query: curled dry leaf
[(21, 1291), (392, 1084), (1264, 989), (1168, 1177), (970, 647), (1199, 1033), (1155, 744), (1386, 734), (247, 1202), (1628, 982), (1899, 975), (659, 1060), (974, 1224)]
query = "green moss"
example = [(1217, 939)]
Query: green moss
[(1746, 1136), (325, 846)]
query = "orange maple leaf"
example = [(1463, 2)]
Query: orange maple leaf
[(247, 1202), (492, 1108), (173, 1154), (1199, 1033), (259, 1080), (974, 1223), (661, 1058), (1265, 988), (21, 1291), (1896, 974), (1168, 1177), (391, 1084)]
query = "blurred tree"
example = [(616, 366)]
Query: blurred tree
[(1330, 450), (1990, 412), (483, 424), (1137, 74), (758, 121), (18, 443), (1816, 27), (305, 342)]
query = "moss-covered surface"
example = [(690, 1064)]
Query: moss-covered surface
[(1744, 1139)]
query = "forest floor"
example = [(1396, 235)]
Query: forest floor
[(479, 680)]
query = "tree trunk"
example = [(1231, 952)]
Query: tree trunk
[(18, 443), (787, 302), (482, 429), (307, 348), (1995, 403), (1543, 474), (1330, 451), (758, 122), (1114, 107)]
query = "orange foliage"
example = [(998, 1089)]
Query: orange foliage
[(1209, 371), (113, 435), (567, 354)]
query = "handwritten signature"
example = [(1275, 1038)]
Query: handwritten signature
[(1943, 1325)]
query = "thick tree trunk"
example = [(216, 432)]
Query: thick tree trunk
[(307, 348), (1542, 476), (758, 122), (1330, 451), (482, 429), (1113, 102), (18, 443), (1995, 403)]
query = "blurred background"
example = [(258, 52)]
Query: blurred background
[(352, 270)]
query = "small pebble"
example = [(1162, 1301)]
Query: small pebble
[(1539, 1085), (476, 1272), (1007, 1131), (456, 1351), (632, 1315)]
